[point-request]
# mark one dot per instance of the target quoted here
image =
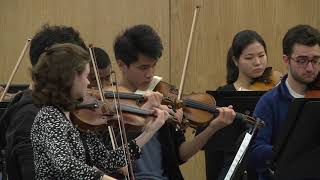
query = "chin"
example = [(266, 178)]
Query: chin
[(143, 87)]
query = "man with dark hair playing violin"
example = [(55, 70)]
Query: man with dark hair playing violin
[(301, 54), (137, 51)]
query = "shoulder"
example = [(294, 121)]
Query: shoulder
[(48, 114)]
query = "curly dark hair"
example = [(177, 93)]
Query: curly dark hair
[(300, 34), (50, 35), (54, 74), (139, 39), (102, 58), (240, 41)]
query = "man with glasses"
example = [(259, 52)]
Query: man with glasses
[(301, 55)]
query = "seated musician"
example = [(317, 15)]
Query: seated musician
[(16, 124), (137, 51), (246, 62), (301, 55), (60, 150)]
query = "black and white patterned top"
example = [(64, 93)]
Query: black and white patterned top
[(59, 152)]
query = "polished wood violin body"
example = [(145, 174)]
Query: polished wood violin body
[(92, 114), (199, 108), (267, 81)]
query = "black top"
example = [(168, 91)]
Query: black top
[(15, 126), (227, 87), (171, 138), (59, 151), (222, 146)]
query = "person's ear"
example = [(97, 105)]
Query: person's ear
[(122, 65), (285, 59)]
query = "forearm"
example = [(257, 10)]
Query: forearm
[(143, 138), (190, 148)]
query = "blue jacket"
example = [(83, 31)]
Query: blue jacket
[(272, 108)]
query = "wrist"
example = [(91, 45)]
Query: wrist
[(143, 138)]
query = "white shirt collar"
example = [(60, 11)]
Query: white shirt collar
[(292, 92)]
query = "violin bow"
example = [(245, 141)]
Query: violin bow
[(123, 134), (120, 122), (95, 69), (23, 52), (186, 60)]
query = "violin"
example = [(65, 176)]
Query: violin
[(92, 114), (266, 81), (313, 89), (8, 96), (199, 108)]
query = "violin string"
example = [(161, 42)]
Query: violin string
[(211, 109), (199, 105)]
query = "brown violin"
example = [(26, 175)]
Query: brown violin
[(266, 81), (92, 114), (199, 108), (313, 89), (8, 96)]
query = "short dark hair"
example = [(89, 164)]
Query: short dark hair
[(139, 39), (102, 58), (50, 35), (240, 41), (54, 74), (300, 34)]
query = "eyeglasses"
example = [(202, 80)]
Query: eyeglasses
[(303, 61)]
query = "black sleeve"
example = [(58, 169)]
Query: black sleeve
[(22, 148)]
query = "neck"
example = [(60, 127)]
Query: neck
[(296, 86), (125, 83), (243, 82)]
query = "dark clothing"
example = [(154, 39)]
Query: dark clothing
[(272, 108), (149, 165), (15, 136), (222, 146), (62, 152), (227, 87), (170, 139)]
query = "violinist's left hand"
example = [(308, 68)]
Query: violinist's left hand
[(124, 171), (225, 117), (153, 100), (178, 115)]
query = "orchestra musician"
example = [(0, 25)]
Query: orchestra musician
[(17, 121), (137, 51), (58, 146), (301, 55), (246, 62)]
